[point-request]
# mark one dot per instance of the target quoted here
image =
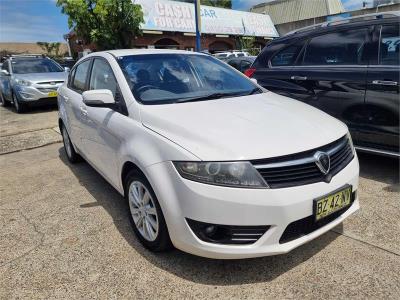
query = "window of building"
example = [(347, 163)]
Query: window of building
[(102, 77), (337, 48), (389, 45), (79, 80)]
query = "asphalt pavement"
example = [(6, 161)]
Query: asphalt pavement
[(65, 233)]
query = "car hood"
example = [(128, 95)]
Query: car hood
[(43, 77), (243, 128)]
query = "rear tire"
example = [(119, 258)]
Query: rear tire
[(146, 215), (72, 156), (19, 107)]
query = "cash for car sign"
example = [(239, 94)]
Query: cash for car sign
[(177, 16)]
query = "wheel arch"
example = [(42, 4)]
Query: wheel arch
[(60, 123), (127, 167)]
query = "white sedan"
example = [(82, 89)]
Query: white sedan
[(209, 161)]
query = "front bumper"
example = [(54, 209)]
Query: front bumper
[(30, 94), (181, 199)]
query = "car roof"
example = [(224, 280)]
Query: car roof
[(362, 20), (127, 52), (250, 58)]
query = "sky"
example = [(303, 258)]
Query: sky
[(41, 20)]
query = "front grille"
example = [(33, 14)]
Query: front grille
[(307, 225), (227, 234), (300, 169), (48, 90), (51, 82)]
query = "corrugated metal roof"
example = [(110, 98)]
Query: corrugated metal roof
[(286, 11)]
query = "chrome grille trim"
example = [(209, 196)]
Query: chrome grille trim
[(50, 82), (47, 90), (301, 168), (299, 161)]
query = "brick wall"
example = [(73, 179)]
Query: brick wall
[(177, 39)]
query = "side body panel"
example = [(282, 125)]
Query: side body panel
[(383, 90)]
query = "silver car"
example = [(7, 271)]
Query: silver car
[(30, 80)]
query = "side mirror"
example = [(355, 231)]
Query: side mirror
[(66, 69), (99, 98), (4, 73)]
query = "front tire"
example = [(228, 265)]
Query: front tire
[(72, 156), (19, 107), (3, 100), (145, 213)]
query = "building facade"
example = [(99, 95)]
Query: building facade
[(171, 24), (289, 15)]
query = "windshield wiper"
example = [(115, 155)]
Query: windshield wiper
[(217, 96), (254, 91), (204, 97)]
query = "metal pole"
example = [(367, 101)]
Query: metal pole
[(198, 24)]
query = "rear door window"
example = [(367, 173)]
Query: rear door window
[(337, 48), (245, 65), (389, 45), (287, 56), (234, 63)]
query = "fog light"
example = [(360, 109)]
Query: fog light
[(210, 230), (227, 234), (26, 95)]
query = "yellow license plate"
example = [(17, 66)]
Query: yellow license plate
[(52, 94), (332, 203)]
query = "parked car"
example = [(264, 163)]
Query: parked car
[(227, 55), (348, 68), (30, 80), (66, 62), (206, 158), (241, 63)]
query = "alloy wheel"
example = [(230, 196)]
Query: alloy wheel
[(143, 211)]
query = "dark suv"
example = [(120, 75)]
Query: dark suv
[(347, 68)]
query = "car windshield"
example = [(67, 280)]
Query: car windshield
[(173, 78), (34, 65)]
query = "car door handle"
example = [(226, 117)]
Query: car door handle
[(298, 77), (84, 112), (384, 82)]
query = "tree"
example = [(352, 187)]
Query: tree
[(216, 3), (110, 24), (247, 44), (45, 47), (56, 48), (50, 48)]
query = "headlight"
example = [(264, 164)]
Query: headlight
[(233, 174), (22, 82), (351, 143)]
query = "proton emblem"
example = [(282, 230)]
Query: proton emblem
[(52, 83), (323, 162)]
